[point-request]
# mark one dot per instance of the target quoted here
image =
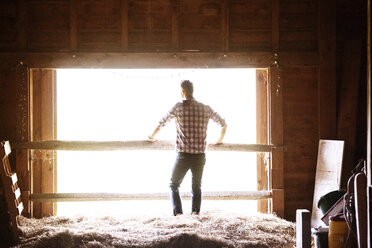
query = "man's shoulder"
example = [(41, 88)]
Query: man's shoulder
[(176, 106), (205, 106)]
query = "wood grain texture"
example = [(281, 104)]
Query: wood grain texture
[(327, 70), (139, 60), (132, 145), (262, 135), (156, 33), (226, 195), (43, 166)]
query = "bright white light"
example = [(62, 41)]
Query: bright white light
[(123, 105)]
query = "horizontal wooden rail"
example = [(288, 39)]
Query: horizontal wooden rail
[(226, 195), (132, 145)]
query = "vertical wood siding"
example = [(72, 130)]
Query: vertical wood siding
[(288, 28)]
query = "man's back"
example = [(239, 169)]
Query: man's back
[(192, 118)]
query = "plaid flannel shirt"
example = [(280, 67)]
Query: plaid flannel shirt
[(192, 119)]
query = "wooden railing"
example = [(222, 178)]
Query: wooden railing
[(139, 145), (132, 145)]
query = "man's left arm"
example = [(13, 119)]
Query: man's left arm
[(218, 119), (222, 135)]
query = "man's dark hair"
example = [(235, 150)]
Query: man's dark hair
[(188, 87)]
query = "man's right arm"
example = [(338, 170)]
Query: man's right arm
[(152, 136), (162, 123)]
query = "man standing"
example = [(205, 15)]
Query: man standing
[(192, 119)]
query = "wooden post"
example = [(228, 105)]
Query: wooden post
[(275, 26), (23, 133), (175, 25), (276, 137), (303, 228), (277, 168), (348, 105), (327, 69), (124, 25), (262, 135), (278, 202), (369, 136), (43, 163), (73, 25), (21, 25), (360, 192), (225, 25)]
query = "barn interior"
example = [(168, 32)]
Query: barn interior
[(311, 63)]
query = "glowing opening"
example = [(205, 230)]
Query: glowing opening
[(127, 104)]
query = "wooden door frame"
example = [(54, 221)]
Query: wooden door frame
[(196, 60), (43, 126)]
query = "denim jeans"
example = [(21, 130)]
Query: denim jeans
[(185, 162)]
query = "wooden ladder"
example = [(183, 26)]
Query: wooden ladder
[(11, 189)]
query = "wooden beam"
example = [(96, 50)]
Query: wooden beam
[(303, 228), (225, 25), (275, 26), (131, 145), (21, 25), (278, 202), (226, 195), (262, 134), (327, 70), (43, 172), (298, 59), (22, 161), (138, 60), (175, 25), (74, 25), (348, 105), (369, 98), (360, 194), (277, 168), (276, 106), (276, 137), (124, 25)]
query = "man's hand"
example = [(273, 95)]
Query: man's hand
[(152, 136), (217, 143), (151, 139), (222, 134)]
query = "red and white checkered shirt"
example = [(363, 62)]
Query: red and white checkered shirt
[(192, 119)]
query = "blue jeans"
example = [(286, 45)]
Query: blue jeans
[(185, 162)]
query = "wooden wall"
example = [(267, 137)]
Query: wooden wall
[(307, 41)]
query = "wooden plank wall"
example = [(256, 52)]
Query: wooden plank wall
[(288, 29), (298, 34), (351, 81)]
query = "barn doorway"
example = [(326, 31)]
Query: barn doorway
[(126, 104)]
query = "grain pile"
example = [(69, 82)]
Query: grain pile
[(206, 230)]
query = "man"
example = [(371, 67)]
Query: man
[(192, 119)]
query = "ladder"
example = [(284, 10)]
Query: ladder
[(11, 189)]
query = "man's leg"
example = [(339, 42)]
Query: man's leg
[(179, 171), (197, 174)]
